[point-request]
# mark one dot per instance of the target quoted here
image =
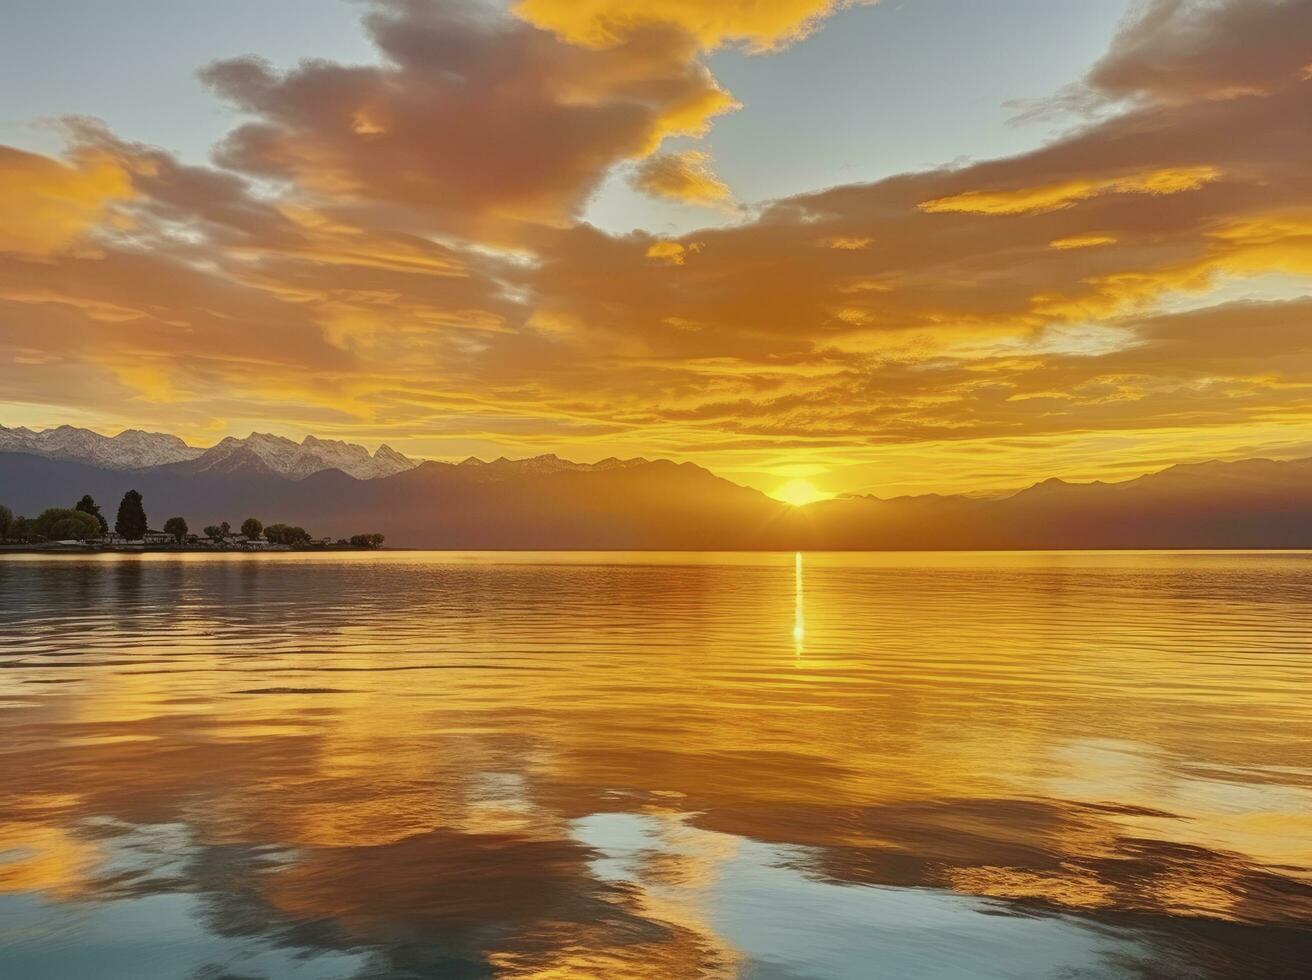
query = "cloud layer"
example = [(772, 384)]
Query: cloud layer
[(395, 251)]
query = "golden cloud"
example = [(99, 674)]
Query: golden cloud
[(1052, 197), (46, 205), (759, 26), (685, 176), (1081, 241), (847, 243), (671, 252)]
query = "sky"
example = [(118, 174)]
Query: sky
[(897, 247)]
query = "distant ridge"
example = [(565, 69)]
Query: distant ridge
[(506, 469), (1254, 503), (545, 502)]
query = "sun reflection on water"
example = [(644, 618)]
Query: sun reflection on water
[(799, 611)]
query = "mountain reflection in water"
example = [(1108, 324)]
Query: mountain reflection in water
[(656, 765)]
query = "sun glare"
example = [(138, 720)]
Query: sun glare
[(799, 493)]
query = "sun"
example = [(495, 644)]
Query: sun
[(799, 493)]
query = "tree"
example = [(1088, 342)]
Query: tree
[(213, 532), (366, 540), (225, 527), (88, 506), (6, 521), (177, 527), (65, 524), (131, 520), (252, 528), (286, 534)]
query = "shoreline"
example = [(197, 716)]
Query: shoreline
[(284, 550), (78, 549)]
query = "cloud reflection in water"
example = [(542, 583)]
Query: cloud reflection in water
[(629, 766)]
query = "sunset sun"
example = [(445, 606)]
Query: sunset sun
[(800, 493)]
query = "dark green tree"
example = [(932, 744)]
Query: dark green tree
[(366, 540), (75, 527), (252, 528), (176, 526), (23, 529), (131, 520), (225, 527), (213, 532), (88, 506), (287, 534), (6, 521), (65, 524)]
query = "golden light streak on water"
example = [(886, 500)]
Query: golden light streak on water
[(799, 609)]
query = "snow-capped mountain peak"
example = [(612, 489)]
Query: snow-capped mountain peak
[(385, 455), (285, 457), (131, 449)]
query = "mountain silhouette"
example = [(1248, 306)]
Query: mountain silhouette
[(549, 503)]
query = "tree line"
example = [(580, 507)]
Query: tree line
[(84, 521)]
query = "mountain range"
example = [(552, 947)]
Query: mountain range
[(133, 449), (546, 502), (129, 450)]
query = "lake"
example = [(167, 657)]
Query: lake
[(772, 766)]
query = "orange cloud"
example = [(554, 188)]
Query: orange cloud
[(685, 176), (1081, 241), (759, 26), (671, 252), (46, 205), (540, 120), (1051, 197), (847, 243)]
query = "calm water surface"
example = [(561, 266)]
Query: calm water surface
[(670, 766)]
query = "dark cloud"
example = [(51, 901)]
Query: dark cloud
[(1181, 50)]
